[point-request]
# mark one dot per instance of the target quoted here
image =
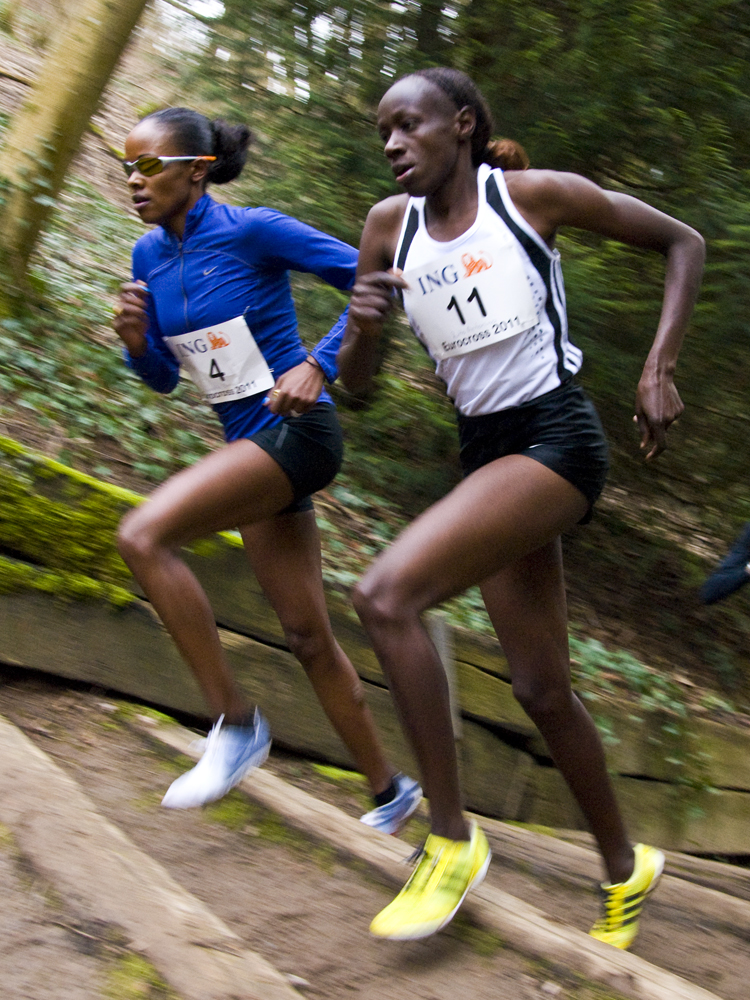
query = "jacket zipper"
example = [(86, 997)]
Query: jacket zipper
[(182, 282)]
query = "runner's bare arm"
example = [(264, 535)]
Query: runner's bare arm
[(548, 200), (372, 295)]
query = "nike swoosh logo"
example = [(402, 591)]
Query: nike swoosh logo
[(210, 270)]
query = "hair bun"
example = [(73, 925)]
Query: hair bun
[(507, 154), (230, 145)]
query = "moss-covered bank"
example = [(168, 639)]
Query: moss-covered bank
[(57, 529)]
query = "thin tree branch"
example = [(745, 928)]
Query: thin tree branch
[(8, 74), (211, 21)]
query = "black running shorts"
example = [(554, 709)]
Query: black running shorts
[(560, 429), (309, 449)]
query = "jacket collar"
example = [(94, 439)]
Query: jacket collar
[(196, 214), (193, 220)]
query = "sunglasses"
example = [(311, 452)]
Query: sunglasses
[(151, 165)]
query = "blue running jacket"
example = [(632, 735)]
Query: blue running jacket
[(233, 262)]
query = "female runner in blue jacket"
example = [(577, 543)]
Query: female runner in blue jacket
[(211, 293)]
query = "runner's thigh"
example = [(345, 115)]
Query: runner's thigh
[(238, 484), (504, 510)]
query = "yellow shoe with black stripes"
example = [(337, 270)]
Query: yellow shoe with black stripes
[(447, 869), (622, 903)]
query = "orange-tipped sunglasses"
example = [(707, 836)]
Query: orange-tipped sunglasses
[(150, 165)]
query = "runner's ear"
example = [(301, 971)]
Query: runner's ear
[(199, 171), (466, 122)]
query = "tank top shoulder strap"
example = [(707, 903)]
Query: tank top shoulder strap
[(499, 199), (409, 228)]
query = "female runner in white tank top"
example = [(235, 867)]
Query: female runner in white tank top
[(472, 250)]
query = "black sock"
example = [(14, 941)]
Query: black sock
[(383, 798)]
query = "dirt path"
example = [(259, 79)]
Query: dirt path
[(40, 957), (293, 901)]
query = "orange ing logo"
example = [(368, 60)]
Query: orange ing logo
[(217, 340), (472, 265)]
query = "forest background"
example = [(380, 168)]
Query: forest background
[(650, 97)]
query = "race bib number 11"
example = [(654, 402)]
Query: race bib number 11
[(475, 296), (223, 360)]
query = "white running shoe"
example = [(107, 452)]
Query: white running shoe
[(392, 816), (230, 752)]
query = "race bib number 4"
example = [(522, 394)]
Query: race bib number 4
[(467, 299), (223, 360)]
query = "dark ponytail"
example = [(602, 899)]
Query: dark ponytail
[(192, 132), (463, 92), (230, 143)]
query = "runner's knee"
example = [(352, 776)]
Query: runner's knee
[(135, 541), (379, 604), (308, 643), (544, 701), (325, 663)]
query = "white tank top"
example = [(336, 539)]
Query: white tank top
[(471, 289)]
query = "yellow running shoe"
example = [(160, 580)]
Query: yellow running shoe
[(446, 871), (622, 903)]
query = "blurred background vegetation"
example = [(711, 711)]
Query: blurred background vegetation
[(650, 97)]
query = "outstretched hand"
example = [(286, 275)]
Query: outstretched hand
[(657, 406), (372, 299), (131, 319)]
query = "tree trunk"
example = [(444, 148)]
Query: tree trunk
[(45, 133)]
